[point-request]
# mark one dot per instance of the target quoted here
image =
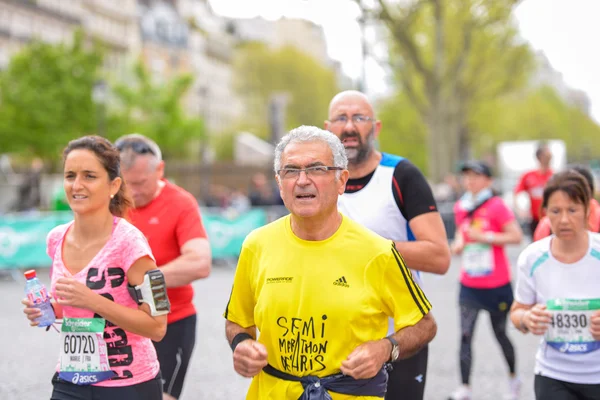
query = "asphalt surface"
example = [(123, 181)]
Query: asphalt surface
[(29, 355)]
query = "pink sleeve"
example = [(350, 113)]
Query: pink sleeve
[(53, 239), (502, 214), (135, 246)]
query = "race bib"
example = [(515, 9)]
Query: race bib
[(478, 259), (83, 356), (537, 192), (569, 330)]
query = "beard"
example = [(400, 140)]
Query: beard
[(357, 155)]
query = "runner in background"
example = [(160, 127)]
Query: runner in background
[(170, 219), (533, 183), (558, 296), (544, 228), (484, 226), (390, 196)]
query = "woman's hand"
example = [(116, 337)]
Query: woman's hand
[(31, 312), (537, 319), (72, 293), (595, 325)]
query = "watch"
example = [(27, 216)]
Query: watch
[(395, 349)]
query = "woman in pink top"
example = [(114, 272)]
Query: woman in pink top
[(106, 350), (484, 225)]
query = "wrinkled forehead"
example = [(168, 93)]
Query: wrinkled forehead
[(303, 154), (350, 104)]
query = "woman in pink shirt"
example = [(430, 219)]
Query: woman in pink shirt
[(484, 225), (106, 349)]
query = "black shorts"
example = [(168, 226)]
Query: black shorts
[(64, 390), (407, 378), (493, 300), (174, 353), (553, 389)]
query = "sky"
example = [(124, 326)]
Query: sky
[(567, 31)]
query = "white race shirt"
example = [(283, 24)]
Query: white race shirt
[(543, 279)]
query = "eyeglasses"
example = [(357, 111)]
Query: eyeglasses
[(137, 146), (357, 119), (317, 170)]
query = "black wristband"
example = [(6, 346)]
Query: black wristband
[(239, 338)]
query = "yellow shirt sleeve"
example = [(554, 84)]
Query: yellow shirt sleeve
[(242, 300), (401, 297)]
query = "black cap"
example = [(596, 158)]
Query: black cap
[(479, 167)]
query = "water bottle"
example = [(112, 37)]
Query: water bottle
[(36, 293)]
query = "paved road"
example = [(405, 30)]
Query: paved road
[(28, 355)]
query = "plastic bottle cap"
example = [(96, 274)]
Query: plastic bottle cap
[(30, 274)]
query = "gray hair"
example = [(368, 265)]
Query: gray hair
[(305, 134), (129, 155)]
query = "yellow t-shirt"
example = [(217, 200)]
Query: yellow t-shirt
[(314, 302)]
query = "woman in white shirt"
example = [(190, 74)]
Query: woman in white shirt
[(558, 295)]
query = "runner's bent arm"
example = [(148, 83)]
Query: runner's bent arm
[(525, 314), (397, 295), (429, 252), (193, 263), (413, 338), (232, 329), (195, 259), (138, 321), (511, 234)]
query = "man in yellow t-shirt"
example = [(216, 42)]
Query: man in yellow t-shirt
[(320, 288)]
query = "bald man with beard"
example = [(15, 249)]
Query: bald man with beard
[(389, 195)]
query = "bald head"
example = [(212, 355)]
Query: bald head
[(351, 98)]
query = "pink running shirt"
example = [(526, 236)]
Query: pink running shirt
[(131, 356), (490, 217)]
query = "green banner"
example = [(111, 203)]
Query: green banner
[(226, 235), (23, 236)]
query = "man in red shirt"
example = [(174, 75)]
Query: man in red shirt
[(533, 183), (170, 219)]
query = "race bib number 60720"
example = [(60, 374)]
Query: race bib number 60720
[(569, 330)]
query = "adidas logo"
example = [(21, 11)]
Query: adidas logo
[(341, 282)]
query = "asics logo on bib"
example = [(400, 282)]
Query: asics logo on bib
[(81, 379), (341, 282), (573, 348)]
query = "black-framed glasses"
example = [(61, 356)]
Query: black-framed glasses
[(314, 171), (357, 119), (137, 146)]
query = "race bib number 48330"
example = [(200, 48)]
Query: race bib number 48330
[(83, 355), (569, 330)]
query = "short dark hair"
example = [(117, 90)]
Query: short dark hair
[(542, 146), (110, 159), (572, 183)]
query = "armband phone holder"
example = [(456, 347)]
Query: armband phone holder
[(152, 291)]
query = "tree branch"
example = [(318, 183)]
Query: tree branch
[(399, 29), (408, 86)]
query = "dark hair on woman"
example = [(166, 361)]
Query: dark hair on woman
[(572, 183), (110, 159), (587, 174)]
